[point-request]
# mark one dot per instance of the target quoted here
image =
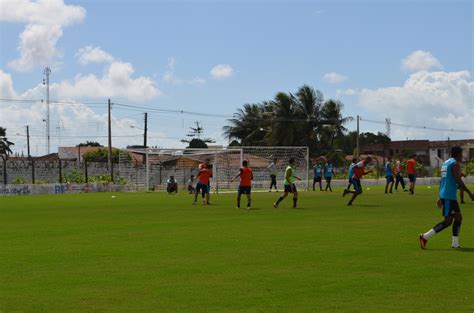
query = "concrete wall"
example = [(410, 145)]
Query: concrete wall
[(20, 190)]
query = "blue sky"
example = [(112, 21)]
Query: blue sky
[(269, 46)]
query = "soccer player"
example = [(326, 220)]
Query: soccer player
[(389, 175), (328, 172), (289, 184), (317, 178), (411, 170), (191, 184), (450, 180), (202, 185), (171, 185), (245, 186), (351, 173), (358, 173), (398, 176), (273, 175)]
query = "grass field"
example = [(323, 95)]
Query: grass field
[(150, 252)]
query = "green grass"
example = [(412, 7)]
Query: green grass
[(158, 253)]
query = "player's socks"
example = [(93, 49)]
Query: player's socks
[(295, 202), (279, 200), (238, 203), (455, 242), (430, 233)]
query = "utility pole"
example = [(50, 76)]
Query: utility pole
[(388, 126), (47, 72), (145, 130), (357, 139), (110, 140), (28, 140)]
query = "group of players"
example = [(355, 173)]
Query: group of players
[(449, 184)]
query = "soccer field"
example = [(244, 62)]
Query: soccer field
[(150, 252)]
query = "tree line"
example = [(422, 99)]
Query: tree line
[(303, 118)]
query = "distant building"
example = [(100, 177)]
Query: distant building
[(433, 153)]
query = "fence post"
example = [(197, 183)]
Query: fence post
[(4, 170), (32, 171), (60, 172), (85, 172)]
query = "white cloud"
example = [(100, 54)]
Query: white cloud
[(45, 20), (346, 92), (420, 60), (433, 99), (222, 71), (6, 86), (335, 78), (171, 78), (90, 54)]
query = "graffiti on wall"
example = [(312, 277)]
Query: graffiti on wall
[(15, 190)]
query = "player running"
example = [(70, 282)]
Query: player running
[(328, 172), (358, 173), (318, 173), (202, 186), (389, 175), (289, 184), (245, 186), (411, 170), (398, 176), (351, 173), (273, 175), (450, 180)]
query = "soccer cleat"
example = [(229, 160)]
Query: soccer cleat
[(275, 205), (349, 203), (456, 247), (248, 208), (423, 242), (344, 193)]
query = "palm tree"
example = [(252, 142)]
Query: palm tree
[(4, 143), (286, 120), (309, 102), (247, 125), (333, 122)]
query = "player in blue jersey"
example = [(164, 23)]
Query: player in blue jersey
[(328, 172), (450, 180), (351, 173), (389, 175), (318, 174)]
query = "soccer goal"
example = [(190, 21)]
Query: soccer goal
[(145, 169)]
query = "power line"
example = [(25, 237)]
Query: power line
[(418, 127)]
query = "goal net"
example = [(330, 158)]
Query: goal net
[(150, 169)]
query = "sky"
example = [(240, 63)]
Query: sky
[(410, 61)]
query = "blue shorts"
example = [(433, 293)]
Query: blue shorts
[(450, 207), (357, 185), (201, 187), (389, 179), (412, 178), (244, 190)]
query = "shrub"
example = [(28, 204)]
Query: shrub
[(19, 181)]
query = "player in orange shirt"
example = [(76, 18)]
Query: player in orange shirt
[(245, 186), (411, 170), (202, 185)]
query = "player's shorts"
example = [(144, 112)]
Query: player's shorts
[(290, 188), (273, 178), (389, 179), (357, 184), (412, 178), (328, 178), (450, 207), (244, 190), (317, 179), (201, 187)]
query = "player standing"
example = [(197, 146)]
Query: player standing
[(398, 176), (411, 170), (328, 172), (389, 175), (351, 173), (202, 185), (317, 178), (273, 175), (289, 184), (245, 186), (358, 173), (450, 180)]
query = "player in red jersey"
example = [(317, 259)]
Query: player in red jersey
[(358, 173), (245, 186)]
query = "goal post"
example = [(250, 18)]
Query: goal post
[(149, 169)]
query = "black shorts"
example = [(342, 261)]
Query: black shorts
[(290, 188), (273, 178), (200, 187), (412, 178), (317, 179), (328, 179), (450, 207), (389, 179), (244, 190), (357, 184)]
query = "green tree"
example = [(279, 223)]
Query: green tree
[(197, 144), (101, 155), (245, 127), (5, 144), (333, 121), (195, 137), (89, 144)]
